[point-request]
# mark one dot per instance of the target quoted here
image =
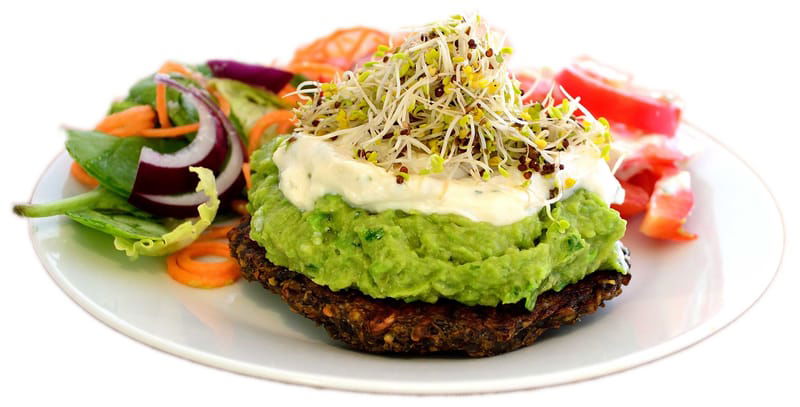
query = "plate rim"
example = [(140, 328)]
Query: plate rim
[(684, 341)]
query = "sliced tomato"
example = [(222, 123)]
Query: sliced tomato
[(636, 199), (651, 158), (618, 101), (670, 204), (646, 180)]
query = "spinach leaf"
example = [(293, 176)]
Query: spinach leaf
[(135, 232), (119, 224), (98, 198), (102, 210), (113, 161)]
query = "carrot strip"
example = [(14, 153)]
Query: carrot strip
[(82, 176), (161, 90), (174, 67), (192, 279), (342, 48), (285, 120), (224, 105), (293, 100), (161, 106), (246, 172), (172, 131), (186, 258), (128, 122), (339, 46), (138, 116), (183, 267), (351, 54)]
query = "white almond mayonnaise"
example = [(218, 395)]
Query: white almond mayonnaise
[(311, 167)]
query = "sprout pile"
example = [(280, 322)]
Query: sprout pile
[(444, 102)]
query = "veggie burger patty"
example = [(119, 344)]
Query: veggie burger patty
[(391, 326)]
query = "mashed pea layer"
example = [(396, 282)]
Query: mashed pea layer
[(419, 257)]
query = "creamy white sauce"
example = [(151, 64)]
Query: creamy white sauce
[(311, 168)]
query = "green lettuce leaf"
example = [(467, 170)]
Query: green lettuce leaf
[(181, 235), (248, 103)]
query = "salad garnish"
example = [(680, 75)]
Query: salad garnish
[(143, 160), (136, 232)]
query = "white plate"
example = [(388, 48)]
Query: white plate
[(678, 295)]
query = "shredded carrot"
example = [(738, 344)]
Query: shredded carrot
[(174, 67), (284, 119), (128, 122), (197, 280), (293, 100), (316, 71), (161, 91), (138, 121), (246, 173), (172, 131), (215, 232), (351, 53), (342, 48), (161, 106), (240, 206), (82, 176), (224, 105), (135, 113), (184, 268), (187, 256)]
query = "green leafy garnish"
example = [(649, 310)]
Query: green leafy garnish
[(181, 235), (247, 102), (135, 232)]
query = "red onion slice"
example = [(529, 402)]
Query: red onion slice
[(169, 173), (230, 180), (271, 78)]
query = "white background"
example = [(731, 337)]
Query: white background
[(734, 63)]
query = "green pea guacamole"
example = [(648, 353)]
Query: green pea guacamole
[(419, 257)]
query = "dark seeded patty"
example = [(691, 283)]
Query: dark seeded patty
[(391, 326)]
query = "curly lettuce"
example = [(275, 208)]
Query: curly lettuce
[(183, 234)]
